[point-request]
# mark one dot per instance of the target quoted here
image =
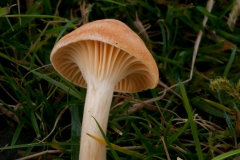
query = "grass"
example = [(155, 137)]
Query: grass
[(192, 120)]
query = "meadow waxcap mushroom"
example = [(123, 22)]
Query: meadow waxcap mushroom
[(104, 56), (109, 48)]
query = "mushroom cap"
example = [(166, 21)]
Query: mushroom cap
[(106, 45)]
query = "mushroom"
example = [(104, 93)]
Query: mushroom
[(103, 56)]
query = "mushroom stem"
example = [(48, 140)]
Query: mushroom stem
[(97, 105)]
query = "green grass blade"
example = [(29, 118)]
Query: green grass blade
[(164, 51), (206, 13), (231, 128), (39, 144), (208, 108), (72, 92), (10, 24), (228, 35), (17, 132), (107, 141), (111, 1), (12, 83), (47, 7), (218, 105), (145, 141), (191, 121), (171, 139), (34, 16), (28, 151), (34, 123), (230, 61), (6, 10), (164, 59), (227, 155), (75, 131), (166, 130), (120, 149), (153, 130), (129, 118), (119, 109), (154, 120), (65, 27)]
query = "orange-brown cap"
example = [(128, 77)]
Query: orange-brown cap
[(105, 49)]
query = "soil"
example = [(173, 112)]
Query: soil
[(6, 134)]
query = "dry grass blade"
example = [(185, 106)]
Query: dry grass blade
[(233, 15), (84, 9), (196, 45), (141, 28), (209, 126), (19, 11), (8, 113), (38, 155), (9, 94), (55, 124), (165, 148)]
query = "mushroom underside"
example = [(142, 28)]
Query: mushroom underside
[(83, 61)]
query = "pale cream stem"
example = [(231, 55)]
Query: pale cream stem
[(97, 105)]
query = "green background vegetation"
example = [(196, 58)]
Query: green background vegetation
[(191, 121)]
